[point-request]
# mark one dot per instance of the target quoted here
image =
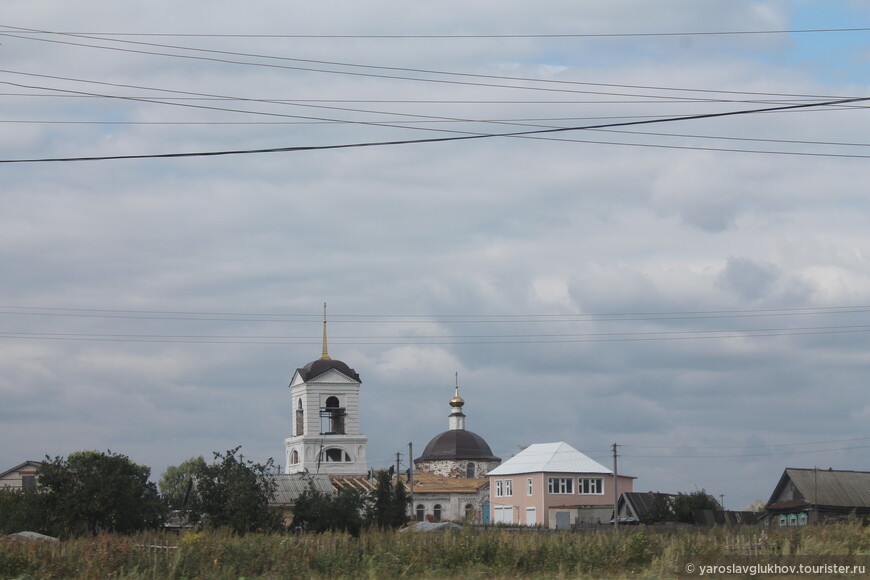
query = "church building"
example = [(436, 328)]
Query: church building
[(326, 437), (457, 452), (450, 476)]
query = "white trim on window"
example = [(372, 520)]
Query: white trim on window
[(590, 486), (560, 485)]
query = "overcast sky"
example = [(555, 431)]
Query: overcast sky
[(695, 290)]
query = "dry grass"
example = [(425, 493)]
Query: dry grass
[(636, 553)]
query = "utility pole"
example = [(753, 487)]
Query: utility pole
[(615, 491), (398, 455), (411, 477)]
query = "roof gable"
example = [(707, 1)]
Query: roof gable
[(824, 487), (26, 466), (331, 376), (549, 457)]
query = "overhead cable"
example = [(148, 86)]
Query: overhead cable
[(442, 139)]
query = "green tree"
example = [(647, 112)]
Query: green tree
[(388, 505), (685, 504), (92, 491), (176, 482), (342, 511), (23, 510), (234, 492)]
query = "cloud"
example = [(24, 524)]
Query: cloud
[(588, 286), (750, 280)]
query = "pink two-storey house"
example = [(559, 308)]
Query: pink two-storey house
[(549, 481)]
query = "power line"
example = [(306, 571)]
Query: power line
[(458, 36), (430, 340), (446, 139), (737, 455), (422, 339), (415, 318), (413, 70), (762, 445)]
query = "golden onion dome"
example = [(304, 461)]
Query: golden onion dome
[(456, 401)]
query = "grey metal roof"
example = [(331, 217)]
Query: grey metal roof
[(317, 367), (827, 487), (291, 486), (549, 457)]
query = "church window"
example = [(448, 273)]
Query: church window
[(334, 455), (469, 470), (332, 417), (421, 512), (300, 416), (436, 512), (294, 457), (469, 511)]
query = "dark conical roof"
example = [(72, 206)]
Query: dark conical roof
[(457, 444), (317, 367)]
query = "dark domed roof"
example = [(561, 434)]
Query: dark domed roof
[(317, 367), (457, 444)]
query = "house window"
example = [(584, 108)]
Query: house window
[(421, 512), (560, 485), (436, 512), (469, 471), (591, 486), (802, 519), (504, 487), (783, 521), (469, 511), (792, 520), (28, 482), (529, 486)]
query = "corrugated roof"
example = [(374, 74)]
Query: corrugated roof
[(549, 457), (828, 487), (291, 486)]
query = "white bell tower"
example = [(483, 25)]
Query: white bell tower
[(326, 437)]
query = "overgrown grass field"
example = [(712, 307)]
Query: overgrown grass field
[(493, 553)]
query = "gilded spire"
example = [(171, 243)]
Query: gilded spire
[(325, 355), (456, 401)]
